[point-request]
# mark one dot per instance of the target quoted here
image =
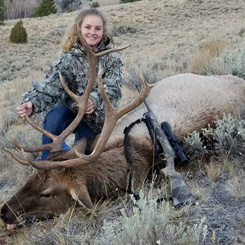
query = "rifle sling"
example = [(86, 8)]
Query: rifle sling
[(126, 151)]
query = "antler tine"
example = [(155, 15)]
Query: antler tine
[(16, 144), (41, 130), (145, 90), (40, 148), (28, 160), (16, 158), (50, 165), (68, 91), (111, 50), (34, 149), (42, 165)]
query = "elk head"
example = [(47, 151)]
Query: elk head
[(50, 192), (42, 197)]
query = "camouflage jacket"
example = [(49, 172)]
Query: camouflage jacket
[(73, 66)]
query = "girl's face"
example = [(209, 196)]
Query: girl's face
[(92, 30)]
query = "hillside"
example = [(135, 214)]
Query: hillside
[(167, 37)]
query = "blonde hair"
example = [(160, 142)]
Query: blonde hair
[(71, 35)]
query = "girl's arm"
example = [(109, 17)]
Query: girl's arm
[(46, 94)]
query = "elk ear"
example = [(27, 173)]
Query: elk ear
[(83, 198), (78, 147), (57, 155)]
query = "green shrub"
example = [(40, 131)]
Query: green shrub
[(95, 5), (18, 33), (46, 7), (229, 135)]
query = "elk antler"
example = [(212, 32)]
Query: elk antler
[(111, 117)]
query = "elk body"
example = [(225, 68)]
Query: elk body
[(184, 101)]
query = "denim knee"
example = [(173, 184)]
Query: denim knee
[(83, 131), (57, 119)]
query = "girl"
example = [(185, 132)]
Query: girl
[(73, 66)]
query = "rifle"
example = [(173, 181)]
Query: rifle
[(180, 193), (174, 142)]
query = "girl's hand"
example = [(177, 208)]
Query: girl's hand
[(24, 109), (90, 107)]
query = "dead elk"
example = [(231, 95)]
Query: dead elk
[(182, 100)]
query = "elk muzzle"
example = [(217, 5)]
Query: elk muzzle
[(8, 216)]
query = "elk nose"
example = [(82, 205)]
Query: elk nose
[(2, 215)]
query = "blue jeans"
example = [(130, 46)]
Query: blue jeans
[(56, 120)]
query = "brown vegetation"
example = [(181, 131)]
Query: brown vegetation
[(206, 53)]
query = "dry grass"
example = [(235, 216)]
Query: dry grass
[(231, 168), (236, 186), (201, 194), (214, 170), (206, 53)]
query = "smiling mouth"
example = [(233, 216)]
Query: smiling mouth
[(92, 38)]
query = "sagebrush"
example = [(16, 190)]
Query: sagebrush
[(150, 222), (226, 137)]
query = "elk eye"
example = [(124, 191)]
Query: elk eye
[(46, 194)]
